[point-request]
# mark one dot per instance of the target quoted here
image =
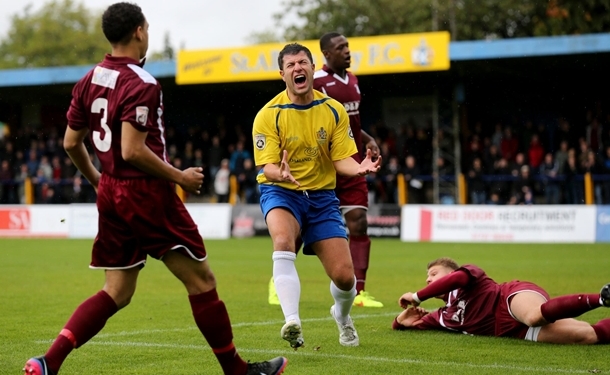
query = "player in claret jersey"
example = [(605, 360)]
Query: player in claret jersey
[(342, 85), (476, 304), (120, 106)]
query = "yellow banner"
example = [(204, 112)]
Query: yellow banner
[(370, 55)]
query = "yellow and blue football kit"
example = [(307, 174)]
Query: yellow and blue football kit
[(314, 136)]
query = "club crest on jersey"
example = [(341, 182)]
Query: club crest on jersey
[(141, 115), (321, 135), (260, 141)]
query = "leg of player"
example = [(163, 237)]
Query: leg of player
[(284, 230), (86, 321), (211, 316), (576, 331), (273, 299), (555, 317), (532, 309), (335, 257), (572, 331), (360, 249)]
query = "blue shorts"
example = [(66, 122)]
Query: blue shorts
[(316, 211)]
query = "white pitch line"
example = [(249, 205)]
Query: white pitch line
[(444, 364), (234, 325), (306, 354)]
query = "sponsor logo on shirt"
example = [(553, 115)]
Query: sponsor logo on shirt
[(458, 316), (352, 106), (104, 77), (303, 160), (311, 151)]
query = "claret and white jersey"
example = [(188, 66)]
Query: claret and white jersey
[(118, 90), (346, 92)]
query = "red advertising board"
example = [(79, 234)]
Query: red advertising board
[(15, 220)]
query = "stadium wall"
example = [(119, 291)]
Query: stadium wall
[(410, 223)]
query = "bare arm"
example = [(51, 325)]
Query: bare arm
[(281, 172), (350, 167), (135, 151), (75, 147), (369, 143), (446, 284)]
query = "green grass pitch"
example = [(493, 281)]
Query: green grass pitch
[(43, 281)]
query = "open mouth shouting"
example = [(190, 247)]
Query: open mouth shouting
[(300, 81)]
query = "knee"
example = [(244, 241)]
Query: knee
[(122, 298), (345, 283), (533, 319), (358, 224), (123, 303), (203, 282), (589, 337), (284, 242), (344, 278)]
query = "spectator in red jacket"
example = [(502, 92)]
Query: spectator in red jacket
[(535, 152), (509, 146)]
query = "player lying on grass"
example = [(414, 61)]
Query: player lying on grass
[(476, 304)]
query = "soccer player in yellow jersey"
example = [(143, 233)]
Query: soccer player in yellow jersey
[(302, 139)]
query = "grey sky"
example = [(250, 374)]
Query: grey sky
[(193, 24)]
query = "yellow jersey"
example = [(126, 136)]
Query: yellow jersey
[(315, 135)]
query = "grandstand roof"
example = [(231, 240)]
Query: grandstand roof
[(458, 51)]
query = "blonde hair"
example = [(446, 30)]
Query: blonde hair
[(445, 262)]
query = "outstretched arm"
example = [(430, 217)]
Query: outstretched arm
[(350, 167), (454, 280), (280, 173)]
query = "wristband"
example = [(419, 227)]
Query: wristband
[(416, 298)]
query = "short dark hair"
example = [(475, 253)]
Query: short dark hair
[(120, 20), (445, 262), (292, 49), (326, 38)]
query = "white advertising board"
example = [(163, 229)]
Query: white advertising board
[(481, 223), (81, 220), (213, 220)]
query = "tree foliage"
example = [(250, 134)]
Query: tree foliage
[(464, 19), (167, 53), (62, 32), (575, 17)]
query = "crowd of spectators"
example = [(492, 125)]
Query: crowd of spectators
[(517, 163), (521, 162)]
